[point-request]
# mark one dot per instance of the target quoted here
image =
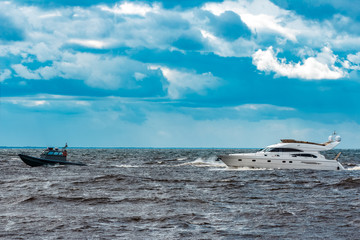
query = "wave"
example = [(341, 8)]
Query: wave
[(57, 199), (349, 183), (246, 169)]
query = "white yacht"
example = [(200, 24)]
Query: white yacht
[(288, 154)]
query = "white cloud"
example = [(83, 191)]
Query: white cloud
[(51, 15), (259, 107), (352, 62), (96, 70), (29, 103), (100, 70), (139, 76), (130, 8), (181, 81), (45, 51), (265, 18), (6, 74), (99, 44), (354, 58), (313, 68), (44, 100), (238, 48), (220, 46), (24, 72), (47, 72), (49, 32), (259, 16)]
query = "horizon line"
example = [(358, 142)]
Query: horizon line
[(98, 147)]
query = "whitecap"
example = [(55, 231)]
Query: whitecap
[(125, 166), (246, 169), (208, 162), (356, 168)]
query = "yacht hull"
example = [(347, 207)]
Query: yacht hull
[(239, 160)]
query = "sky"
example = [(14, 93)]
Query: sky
[(208, 74)]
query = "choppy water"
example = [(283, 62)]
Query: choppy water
[(174, 194)]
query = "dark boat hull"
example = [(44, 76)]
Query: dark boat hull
[(36, 162)]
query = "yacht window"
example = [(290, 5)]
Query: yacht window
[(284, 161), (290, 161), (268, 160), (275, 150), (60, 153), (285, 150), (239, 160), (56, 153), (254, 160), (304, 155), (291, 150), (50, 153)]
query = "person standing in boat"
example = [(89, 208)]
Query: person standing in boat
[(64, 152)]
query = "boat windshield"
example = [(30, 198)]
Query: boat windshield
[(266, 149), (281, 150)]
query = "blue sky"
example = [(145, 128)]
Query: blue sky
[(178, 73)]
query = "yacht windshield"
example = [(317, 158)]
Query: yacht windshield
[(282, 150), (267, 149)]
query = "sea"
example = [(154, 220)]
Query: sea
[(175, 194)]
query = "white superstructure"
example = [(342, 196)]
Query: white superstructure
[(288, 154)]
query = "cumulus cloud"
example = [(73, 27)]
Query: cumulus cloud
[(5, 74), (259, 16), (238, 48), (104, 71), (352, 62), (67, 42), (355, 58), (96, 70), (269, 22), (313, 68), (24, 72), (126, 24), (181, 82)]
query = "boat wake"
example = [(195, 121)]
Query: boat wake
[(356, 168), (125, 166), (207, 162), (246, 169)]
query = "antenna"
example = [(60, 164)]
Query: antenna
[(337, 156)]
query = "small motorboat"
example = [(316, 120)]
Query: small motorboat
[(50, 156)]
